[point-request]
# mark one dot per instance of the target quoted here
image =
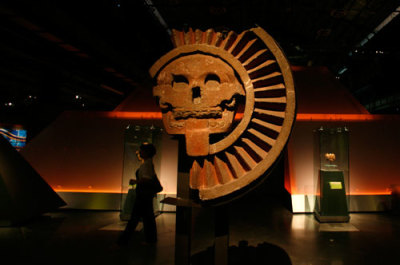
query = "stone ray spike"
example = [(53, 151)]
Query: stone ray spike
[(230, 40), (259, 151), (246, 157), (209, 34), (238, 39), (192, 36), (226, 40), (181, 38), (279, 114), (189, 37), (222, 170), (254, 56), (238, 170), (199, 36), (265, 64), (268, 88), (245, 48), (262, 137), (196, 180), (271, 100), (177, 38), (210, 176), (268, 125), (266, 77), (217, 40)]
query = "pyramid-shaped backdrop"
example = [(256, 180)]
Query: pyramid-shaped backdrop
[(23, 192)]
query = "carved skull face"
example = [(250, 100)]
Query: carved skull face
[(197, 94)]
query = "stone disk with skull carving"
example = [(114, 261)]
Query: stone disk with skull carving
[(199, 84)]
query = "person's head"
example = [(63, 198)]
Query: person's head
[(147, 150)]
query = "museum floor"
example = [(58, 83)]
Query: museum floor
[(261, 232)]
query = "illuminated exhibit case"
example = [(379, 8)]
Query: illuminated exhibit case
[(331, 174)]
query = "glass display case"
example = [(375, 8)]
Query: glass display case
[(135, 135), (331, 174)]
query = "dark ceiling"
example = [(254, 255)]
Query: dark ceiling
[(68, 55)]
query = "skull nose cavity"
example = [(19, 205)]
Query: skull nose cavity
[(196, 95)]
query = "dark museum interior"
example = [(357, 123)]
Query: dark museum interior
[(75, 83)]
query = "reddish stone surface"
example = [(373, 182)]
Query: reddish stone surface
[(197, 93), (199, 84)]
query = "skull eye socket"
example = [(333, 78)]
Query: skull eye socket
[(179, 81), (212, 81)]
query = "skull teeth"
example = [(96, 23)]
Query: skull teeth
[(181, 124), (197, 114)]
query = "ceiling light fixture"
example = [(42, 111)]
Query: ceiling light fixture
[(342, 70), (157, 15), (380, 26)]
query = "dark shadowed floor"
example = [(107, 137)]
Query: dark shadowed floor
[(261, 232)]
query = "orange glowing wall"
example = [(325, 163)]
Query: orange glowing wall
[(83, 151)]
